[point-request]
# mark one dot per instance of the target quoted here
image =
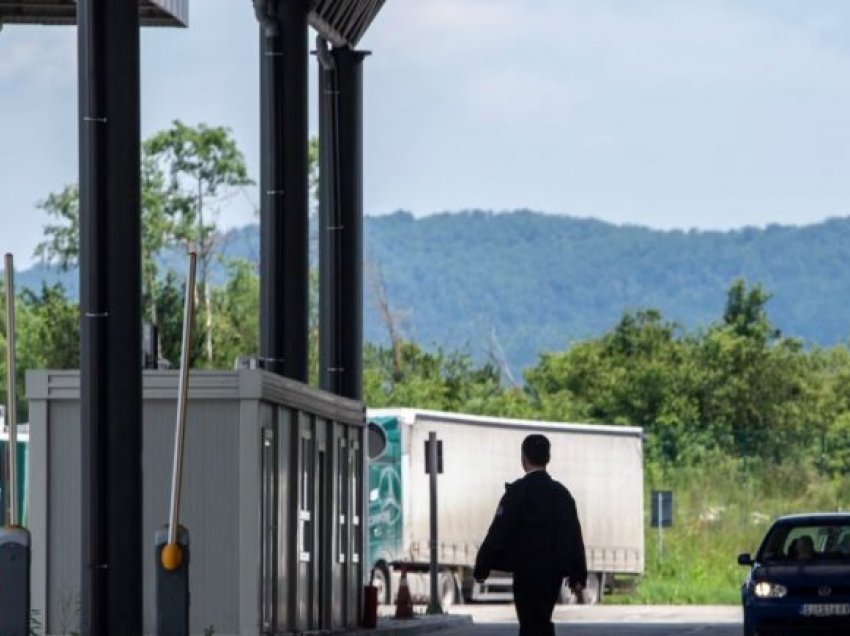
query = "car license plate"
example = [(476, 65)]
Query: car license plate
[(826, 609)]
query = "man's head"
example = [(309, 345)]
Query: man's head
[(535, 452)]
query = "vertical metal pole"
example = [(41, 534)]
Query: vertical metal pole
[(284, 212), (660, 524), (435, 606), (15, 541), (11, 391), (330, 225), (110, 317), (348, 270), (182, 394), (172, 542)]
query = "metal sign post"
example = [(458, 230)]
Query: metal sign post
[(15, 542), (433, 457), (11, 390), (662, 515), (172, 542)]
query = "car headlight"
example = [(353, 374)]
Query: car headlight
[(766, 589)]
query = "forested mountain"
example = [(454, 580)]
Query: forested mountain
[(541, 281), (524, 282)]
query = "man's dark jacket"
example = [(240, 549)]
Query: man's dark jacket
[(536, 531)]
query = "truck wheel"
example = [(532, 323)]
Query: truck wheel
[(382, 582), (447, 590)]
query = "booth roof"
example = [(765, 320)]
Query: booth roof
[(343, 22), (151, 12)]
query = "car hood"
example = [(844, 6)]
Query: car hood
[(821, 573)]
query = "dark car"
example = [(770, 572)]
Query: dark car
[(799, 582)]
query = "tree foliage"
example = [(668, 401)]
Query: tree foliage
[(186, 171), (737, 389), (204, 165), (47, 335)]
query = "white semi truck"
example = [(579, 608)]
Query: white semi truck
[(601, 465)]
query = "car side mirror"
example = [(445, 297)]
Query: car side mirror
[(745, 559)]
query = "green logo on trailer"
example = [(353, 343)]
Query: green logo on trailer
[(385, 496)]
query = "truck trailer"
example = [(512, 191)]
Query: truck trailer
[(601, 465)]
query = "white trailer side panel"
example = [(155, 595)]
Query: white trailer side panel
[(601, 465)]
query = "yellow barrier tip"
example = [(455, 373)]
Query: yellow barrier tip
[(171, 556)]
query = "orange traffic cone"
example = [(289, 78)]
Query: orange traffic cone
[(403, 601)]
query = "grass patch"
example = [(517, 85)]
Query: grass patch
[(720, 511)]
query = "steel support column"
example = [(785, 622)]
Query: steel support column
[(330, 329), (341, 223), (284, 213), (110, 317)]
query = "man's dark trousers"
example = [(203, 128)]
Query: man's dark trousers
[(535, 596)]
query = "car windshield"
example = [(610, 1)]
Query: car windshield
[(807, 542)]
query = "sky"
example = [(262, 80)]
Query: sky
[(709, 114)]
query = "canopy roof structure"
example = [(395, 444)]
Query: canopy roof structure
[(343, 22), (151, 12)]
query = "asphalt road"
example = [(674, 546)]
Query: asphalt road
[(500, 620), (605, 629)]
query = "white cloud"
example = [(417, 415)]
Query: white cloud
[(38, 57)]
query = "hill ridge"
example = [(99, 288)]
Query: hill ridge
[(529, 282)]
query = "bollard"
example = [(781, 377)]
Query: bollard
[(370, 607), (14, 581), (370, 603), (172, 583)]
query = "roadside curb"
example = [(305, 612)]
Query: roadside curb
[(419, 625)]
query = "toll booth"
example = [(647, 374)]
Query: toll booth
[(273, 500)]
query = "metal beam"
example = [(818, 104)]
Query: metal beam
[(284, 212), (110, 317)]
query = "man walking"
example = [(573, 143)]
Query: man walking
[(536, 535)]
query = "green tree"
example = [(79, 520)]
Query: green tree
[(236, 309), (204, 166), (62, 244), (737, 388), (754, 386), (47, 335), (170, 302), (745, 312), (406, 375)]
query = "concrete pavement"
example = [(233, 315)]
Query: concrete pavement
[(605, 629), (577, 620), (719, 614)]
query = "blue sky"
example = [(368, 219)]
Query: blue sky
[(670, 114)]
